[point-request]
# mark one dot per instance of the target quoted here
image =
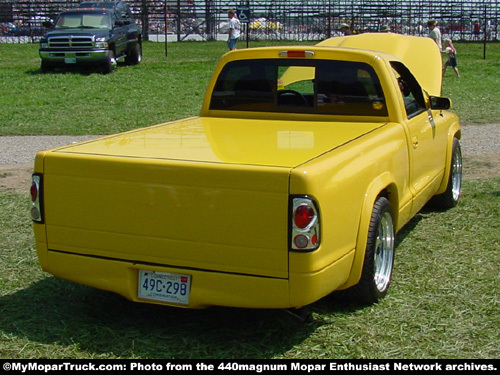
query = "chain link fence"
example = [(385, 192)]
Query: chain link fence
[(202, 20)]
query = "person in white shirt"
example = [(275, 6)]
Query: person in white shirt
[(234, 30), (435, 33)]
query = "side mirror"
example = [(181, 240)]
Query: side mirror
[(438, 102), (48, 24)]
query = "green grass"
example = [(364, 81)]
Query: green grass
[(166, 88), (475, 95), (443, 303), (158, 90)]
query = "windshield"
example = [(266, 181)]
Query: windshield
[(300, 86), (84, 20)]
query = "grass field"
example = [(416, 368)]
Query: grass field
[(166, 88), (443, 303)]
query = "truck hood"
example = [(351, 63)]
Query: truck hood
[(228, 141), (99, 33), (409, 49)]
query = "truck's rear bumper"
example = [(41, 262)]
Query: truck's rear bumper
[(76, 56), (208, 288)]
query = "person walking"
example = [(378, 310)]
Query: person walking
[(234, 30), (452, 57)]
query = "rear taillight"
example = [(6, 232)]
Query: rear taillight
[(305, 224), (35, 193)]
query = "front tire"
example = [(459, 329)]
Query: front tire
[(379, 255), (450, 197), (110, 64), (46, 66)]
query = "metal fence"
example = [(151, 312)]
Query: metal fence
[(175, 20)]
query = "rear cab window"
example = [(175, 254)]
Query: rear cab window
[(330, 87)]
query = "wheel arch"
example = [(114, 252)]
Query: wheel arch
[(383, 186)]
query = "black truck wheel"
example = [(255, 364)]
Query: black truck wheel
[(134, 56), (46, 66), (110, 64)]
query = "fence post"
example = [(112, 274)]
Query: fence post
[(145, 19)]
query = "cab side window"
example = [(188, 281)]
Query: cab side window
[(123, 14), (411, 91), (127, 15)]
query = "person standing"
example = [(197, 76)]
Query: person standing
[(435, 33), (452, 57), (345, 29), (477, 30), (234, 30)]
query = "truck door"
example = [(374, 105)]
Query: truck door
[(427, 139), (120, 27)]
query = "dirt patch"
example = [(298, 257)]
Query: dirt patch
[(16, 177), (481, 167)]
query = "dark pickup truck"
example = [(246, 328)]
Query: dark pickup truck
[(95, 33)]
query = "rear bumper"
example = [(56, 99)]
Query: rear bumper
[(208, 288), (78, 57)]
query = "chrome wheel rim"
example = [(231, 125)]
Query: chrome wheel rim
[(139, 54), (384, 252), (456, 177)]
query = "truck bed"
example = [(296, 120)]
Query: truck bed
[(177, 194)]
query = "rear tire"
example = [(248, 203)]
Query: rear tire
[(134, 56), (379, 256)]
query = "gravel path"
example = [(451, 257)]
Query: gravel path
[(22, 149), (478, 140)]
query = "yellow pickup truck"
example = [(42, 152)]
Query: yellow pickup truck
[(291, 183)]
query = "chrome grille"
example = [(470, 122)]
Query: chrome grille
[(71, 42)]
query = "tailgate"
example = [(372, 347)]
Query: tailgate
[(207, 216)]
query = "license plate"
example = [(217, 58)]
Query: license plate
[(164, 286), (70, 60)]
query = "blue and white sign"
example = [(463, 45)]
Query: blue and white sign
[(243, 14)]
